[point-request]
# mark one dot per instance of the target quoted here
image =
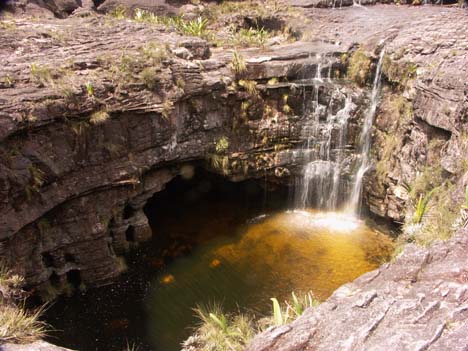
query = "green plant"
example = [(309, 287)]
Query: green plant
[(197, 27), (293, 308), (89, 89), (247, 37), (421, 206), (99, 117), (238, 64), (429, 178), (277, 313), (250, 86)]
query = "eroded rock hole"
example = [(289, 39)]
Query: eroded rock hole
[(48, 259), (74, 278), (130, 234)]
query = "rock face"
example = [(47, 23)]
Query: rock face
[(419, 302)]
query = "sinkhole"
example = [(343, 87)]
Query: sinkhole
[(216, 241)]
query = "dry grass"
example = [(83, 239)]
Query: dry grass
[(98, 117), (19, 325)]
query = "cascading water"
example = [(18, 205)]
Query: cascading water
[(365, 139), (322, 185)]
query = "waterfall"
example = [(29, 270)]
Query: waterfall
[(323, 154), (365, 139), (326, 134)]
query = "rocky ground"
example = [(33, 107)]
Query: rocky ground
[(98, 113)]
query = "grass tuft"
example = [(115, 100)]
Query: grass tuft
[(238, 64), (19, 325), (99, 117)]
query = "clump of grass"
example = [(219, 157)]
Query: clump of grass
[(89, 88), (398, 73), (430, 178), (149, 76), (7, 278), (99, 117), (219, 331), (248, 37), (250, 87), (197, 27), (42, 75), (19, 325), (359, 67), (238, 64), (120, 12), (421, 206)]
